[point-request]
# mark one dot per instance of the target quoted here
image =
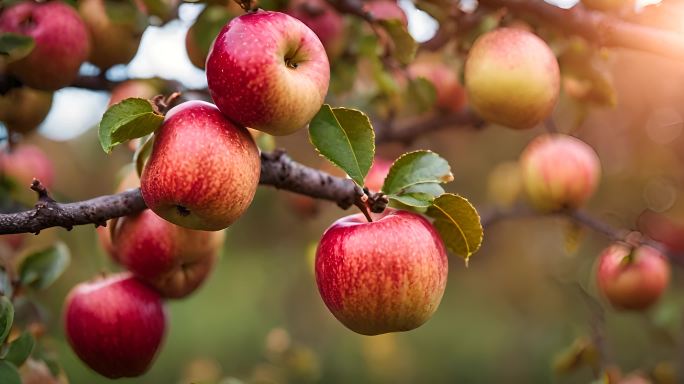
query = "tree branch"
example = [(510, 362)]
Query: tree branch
[(277, 170), (598, 27)]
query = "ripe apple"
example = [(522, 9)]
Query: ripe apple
[(559, 172), (386, 10), (377, 173), (203, 170), (201, 34), (115, 325), (172, 259), (142, 88), (268, 71), (61, 43), (512, 78), (113, 41), (24, 163), (606, 5), (451, 95), (632, 279), (664, 228), (23, 109), (326, 23), (383, 276)]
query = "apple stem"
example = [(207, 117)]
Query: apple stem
[(362, 202)]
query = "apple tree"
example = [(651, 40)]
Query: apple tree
[(512, 86)]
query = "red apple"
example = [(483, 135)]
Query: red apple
[(632, 279), (451, 95), (383, 276), (377, 173), (559, 172), (61, 43), (142, 88), (512, 78), (663, 228), (386, 10), (326, 23), (23, 109), (113, 41), (203, 170), (202, 33), (115, 325), (172, 259), (23, 164), (268, 71)]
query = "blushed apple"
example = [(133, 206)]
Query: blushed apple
[(203, 170), (388, 275), (559, 172), (142, 88), (386, 10), (114, 41), (24, 163), (115, 325), (512, 78), (632, 279), (451, 95), (377, 173), (61, 40), (326, 23), (268, 71), (23, 109)]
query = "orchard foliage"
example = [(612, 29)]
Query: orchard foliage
[(350, 75)]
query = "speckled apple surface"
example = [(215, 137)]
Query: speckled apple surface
[(384, 276), (203, 170), (268, 71), (115, 325)]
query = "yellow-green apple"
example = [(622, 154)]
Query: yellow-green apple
[(23, 109), (385, 10), (172, 259), (115, 325), (203, 170), (142, 88), (512, 78), (632, 279), (114, 41), (268, 71), (201, 34), (451, 95), (377, 173), (383, 276), (606, 5), (61, 40), (559, 172), (326, 23), (24, 163)]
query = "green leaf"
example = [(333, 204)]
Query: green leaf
[(458, 222), (404, 47), (16, 46), (416, 168), (419, 195), (42, 268), (126, 13), (421, 94), (346, 138), (20, 349), (142, 153), (208, 25), (6, 317), (9, 373), (129, 119)]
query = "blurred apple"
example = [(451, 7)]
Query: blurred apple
[(24, 163), (377, 173), (142, 88), (385, 10), (324, 20), (662, 228), (451, 95), (202, 33), (23, 109)]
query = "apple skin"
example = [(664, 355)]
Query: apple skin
[(634, 284), (23, 109), (377, 174), (384, 276), (203, 170), (62, 43), (451, 95), (606, 5), (24, 163), (268, 71), (386, 10), (115, 325), (201, 34), (326, 23), (173, 260), (112, 42), (559, 172), (512, 78)]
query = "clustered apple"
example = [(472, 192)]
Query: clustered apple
[(22, 164), (23, 109), (451, 95), (326, 23), (632, 279), (387, 275), (559, 172), (512, 78)]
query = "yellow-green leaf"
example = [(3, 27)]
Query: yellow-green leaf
[(15, 46), (41, 269), (458, 222), (416, 168), (403, 46)]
